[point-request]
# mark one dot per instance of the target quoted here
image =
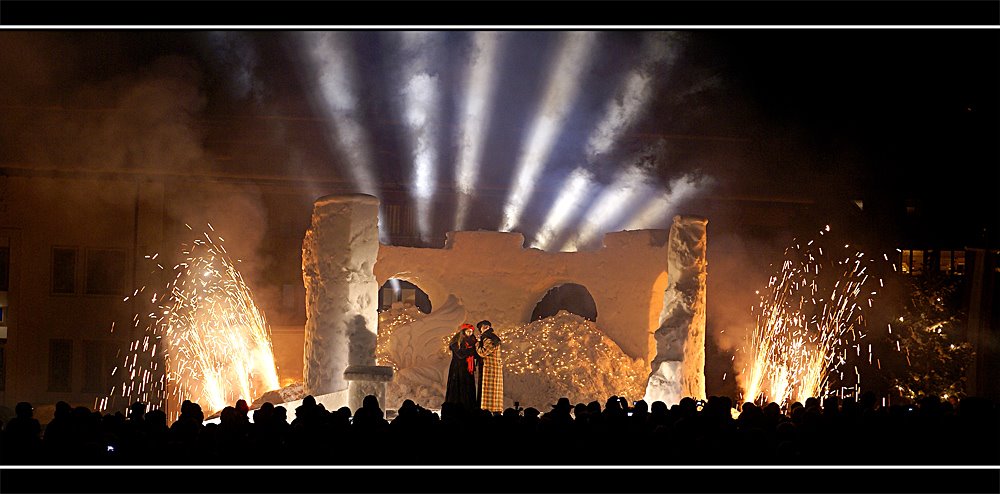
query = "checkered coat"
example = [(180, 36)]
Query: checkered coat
[(491, 383)]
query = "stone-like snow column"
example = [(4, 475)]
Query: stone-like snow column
[(338, 259), (678, 370)]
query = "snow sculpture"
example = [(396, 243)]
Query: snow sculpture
[(490, 275), (678, 369), (338, 257), (415, 345)]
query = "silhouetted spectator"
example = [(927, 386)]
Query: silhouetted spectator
[(57, 439), (22, 436)]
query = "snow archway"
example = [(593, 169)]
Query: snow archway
[(648, 284), (405, 293), (570, 297)]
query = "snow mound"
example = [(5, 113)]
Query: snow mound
[(566, 355)]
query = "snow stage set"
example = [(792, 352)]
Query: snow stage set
[(648, 287)]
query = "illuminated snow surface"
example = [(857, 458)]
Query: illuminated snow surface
[(563, 355)]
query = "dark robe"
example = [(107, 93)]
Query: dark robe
[(461, 373)]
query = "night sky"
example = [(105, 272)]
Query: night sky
[(906, 114)]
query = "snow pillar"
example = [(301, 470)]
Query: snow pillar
[(338, 259), (678, 369)]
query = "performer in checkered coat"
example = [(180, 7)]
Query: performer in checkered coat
[(491, 382)]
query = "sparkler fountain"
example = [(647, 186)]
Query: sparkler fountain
[(807, 320), (213, 340)]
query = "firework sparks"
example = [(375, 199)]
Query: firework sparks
[(214, 344), (808, 316)]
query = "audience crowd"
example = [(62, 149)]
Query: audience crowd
[(818, 432)]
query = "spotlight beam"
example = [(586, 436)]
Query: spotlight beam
[(628, 104), (633, 96), (332, 55), (609, 206), (480, 81), (658, 209), (563, 86), (421, 96), (569, 200)]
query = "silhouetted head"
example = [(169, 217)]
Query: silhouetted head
[(612, 403), (228, 415), (157, 418), (137, 410), (562, 406), (242, 407), (264, 413), (371, 402), (688, 405), (24, 410), (62, 409)]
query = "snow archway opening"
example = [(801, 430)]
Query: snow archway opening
[(403, 292), (570, 297)]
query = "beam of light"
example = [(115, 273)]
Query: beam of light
[(810, 315), (658, 210), (421, 96), (480, 80), (613, 201), (563, 86), (331, 53), (633, 96), (236, 52), (214, 340), (573, 193)]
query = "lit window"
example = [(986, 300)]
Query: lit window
[(917, 266), (945, 264)]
